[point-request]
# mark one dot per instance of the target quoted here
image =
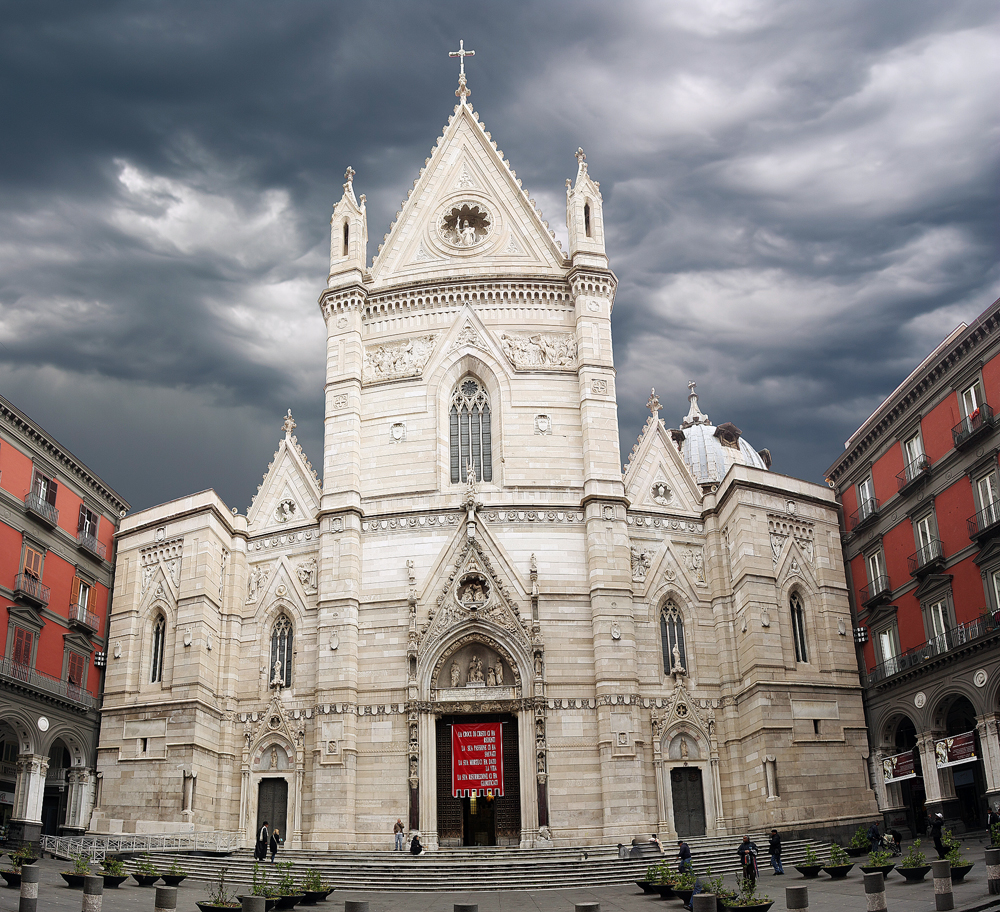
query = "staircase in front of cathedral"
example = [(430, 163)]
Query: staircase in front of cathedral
[(486, 870)]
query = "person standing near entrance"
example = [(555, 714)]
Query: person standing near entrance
[(774, 848), (276, 841), (748, 859), (936, 825), (260, 849), (398, 830)]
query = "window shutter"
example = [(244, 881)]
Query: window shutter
[(74, 593), (75, 669), (33, 563), (50, 493), (81, 523), (22, 646)]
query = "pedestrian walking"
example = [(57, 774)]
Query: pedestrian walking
[(937, 823), (276, 841), (747, 853), (774, 849), (684, 858), (398, 830), (260, 848)]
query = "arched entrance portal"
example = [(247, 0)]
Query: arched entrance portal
[(968, 778), (911, 790)]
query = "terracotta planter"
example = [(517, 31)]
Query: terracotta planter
[(914, 875), (12, 877), (809, 871), (838, 872), (74, 881), (146, 880), (958, 872), (172, 880), (114, 881), (871, 869)]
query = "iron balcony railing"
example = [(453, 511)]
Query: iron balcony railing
[(26, 586), (912, 472), (971, 426), (926, 557), (41, 507), (953, 638), (878, 588), (80, 615), (867, 510), (986, 520), (39, 681), (90, 543)]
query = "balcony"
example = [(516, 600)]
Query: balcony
[(29, 589), (80, 616), (41, 683), (913, 472), (926, 559), (877, 590), (41, 508), (866, 512), (955, 638), (972, 427), (985, 522), (88, 542)]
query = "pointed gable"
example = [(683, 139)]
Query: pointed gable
[(466, 214), (656, 478), (289, 495)]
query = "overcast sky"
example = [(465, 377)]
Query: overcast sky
[(800, 201)]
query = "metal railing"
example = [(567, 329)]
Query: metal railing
[(867, 510), (38, 680), (953, 638), (81, 615), (972, 425), (41, 507), (913, 471), (877, 588), (981, 522), (26, 584), (90, 543), (98, 847), (927, 555)]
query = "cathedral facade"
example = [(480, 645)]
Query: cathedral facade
[(662, 649)]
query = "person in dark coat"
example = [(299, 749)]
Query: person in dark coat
[(260, 848), (415, 847), (276, 841), (684, 857), (774, 849), (992, 819), (937, 824), (747, 853)]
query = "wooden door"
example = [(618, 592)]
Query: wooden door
[(689, 801), (272, 805)]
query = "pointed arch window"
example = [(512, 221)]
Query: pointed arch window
[(347, 237), (469, 426), (586, 219), (671, 635), (798, 627), (281, 652), (156, 659)]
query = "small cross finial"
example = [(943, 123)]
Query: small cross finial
[(349, 180), (288, 425), (463, 90), (695, 414), (581, 156), (654, 403)]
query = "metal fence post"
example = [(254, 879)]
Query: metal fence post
[(30, 875)]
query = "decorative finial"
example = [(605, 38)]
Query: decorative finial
[(581, 156), (695, 414), (463, 90), (289, 423), (349, 180), (654, 403)]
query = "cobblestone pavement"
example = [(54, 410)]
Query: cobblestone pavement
[(825, 895)]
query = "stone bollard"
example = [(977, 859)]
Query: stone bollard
[(796, 897), (29, 888), (466, 907), (943, 897), (356, 905), (993, 870), (166, 899), (587, 907), (704, 902), (93, 893), (875, 892), (253, 904)]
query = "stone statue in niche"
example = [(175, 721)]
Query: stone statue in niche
[(285, 510), (677, 668), (456, 674), (277, 680), (475, 675), (684, 748), (538, 664), (499, 672), (662, 493), (255, 582), (274, 758), (468, 234), (491, 677), (413, 767), (473, 591)]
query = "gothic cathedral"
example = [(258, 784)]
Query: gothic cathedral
[(662, 649)]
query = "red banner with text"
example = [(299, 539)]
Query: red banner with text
[(955, 750), (477, 760)]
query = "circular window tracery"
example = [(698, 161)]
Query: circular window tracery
[(465, 225)]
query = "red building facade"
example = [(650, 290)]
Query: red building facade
[(918, 482), (57, 526)]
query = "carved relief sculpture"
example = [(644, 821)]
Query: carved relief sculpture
[(641, 562), (255, 582), (397, 360), (456, 674), (475, 675), (306, 572), (695, 562), (539, 351)]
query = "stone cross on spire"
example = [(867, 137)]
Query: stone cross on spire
[(463, 91)]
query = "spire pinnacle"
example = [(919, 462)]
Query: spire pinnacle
[(654, 402), (695, 414), (288, 425), (463, 91)]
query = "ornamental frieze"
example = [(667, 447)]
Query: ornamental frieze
[(397, 360), (396, 523), (667, 523), (287, 538), (540, 351), (509, 516)]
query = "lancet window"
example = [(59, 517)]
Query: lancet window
[(798, 627), (671, 635), (281, 652), (156, 653), (471, 438)]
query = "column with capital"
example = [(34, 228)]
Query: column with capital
[(989, 745), (29, 789), (932, 781)]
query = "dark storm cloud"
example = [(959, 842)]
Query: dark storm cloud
[(799, 203)]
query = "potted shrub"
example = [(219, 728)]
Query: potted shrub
[(879, 860), (811, 865), (174, 874), (288, 895), (81, 868), (261, 887), (647, 885), (113, 872), (747, 899), (22, 856), (316, 891), (914, 865), (145, 874), (220, 898), (717, 886), (859, 844), (664, 884), (995, 835), (960, 865), (839, 864), (683, 886)]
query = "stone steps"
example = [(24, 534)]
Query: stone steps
[(481, 869)]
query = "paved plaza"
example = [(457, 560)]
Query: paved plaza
[(824, 896)]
